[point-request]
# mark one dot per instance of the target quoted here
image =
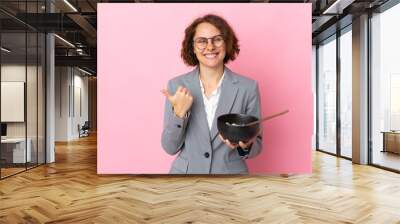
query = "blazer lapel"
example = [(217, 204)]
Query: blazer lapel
[(198, 113), (226, 99)]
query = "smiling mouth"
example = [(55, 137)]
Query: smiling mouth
[(211, 55)]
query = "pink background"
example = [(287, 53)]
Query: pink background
[(139, 51)]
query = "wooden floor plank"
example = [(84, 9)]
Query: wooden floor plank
[(70, 191)]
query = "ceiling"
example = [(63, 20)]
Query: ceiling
[(76, 22)]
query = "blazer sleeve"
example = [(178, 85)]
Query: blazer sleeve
[(174, 127), (254, 108)]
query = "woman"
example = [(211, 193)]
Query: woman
[(196, 99)]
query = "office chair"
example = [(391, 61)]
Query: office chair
[(84, 130)]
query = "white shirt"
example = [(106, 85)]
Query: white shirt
[(211, 103)]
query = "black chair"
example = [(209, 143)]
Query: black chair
[(84, 130)]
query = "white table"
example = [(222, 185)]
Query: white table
[(19, 155)]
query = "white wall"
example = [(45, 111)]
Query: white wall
[(80, 84), (62, 81), (71, 93), (16, 73)]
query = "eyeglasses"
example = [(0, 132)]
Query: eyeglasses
[(202, 42)]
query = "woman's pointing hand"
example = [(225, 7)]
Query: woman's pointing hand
[(181, 101)]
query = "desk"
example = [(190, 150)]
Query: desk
[(13, 150), (391, 141)]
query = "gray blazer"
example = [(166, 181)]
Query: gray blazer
[(200, 150)]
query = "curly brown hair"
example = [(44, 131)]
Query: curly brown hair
[(231, 41)]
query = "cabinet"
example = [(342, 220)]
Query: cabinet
[(391, 142)]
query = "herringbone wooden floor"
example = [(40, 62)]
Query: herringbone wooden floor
[(70, 191)]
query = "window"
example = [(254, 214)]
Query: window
[(346, 75), (327, 95), (385, 88)]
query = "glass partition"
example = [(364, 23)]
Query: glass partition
[(22, 63), (14, 153)]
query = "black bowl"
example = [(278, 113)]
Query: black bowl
[(236, 133)]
